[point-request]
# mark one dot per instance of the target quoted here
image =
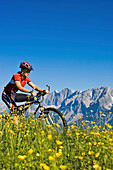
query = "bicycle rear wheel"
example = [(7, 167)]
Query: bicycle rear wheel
[(54, 119)]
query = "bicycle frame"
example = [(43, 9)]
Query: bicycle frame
[(33, 102)]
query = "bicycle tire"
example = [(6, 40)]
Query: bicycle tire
[(54, 118)]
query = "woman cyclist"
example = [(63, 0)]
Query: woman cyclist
[(18, 81)]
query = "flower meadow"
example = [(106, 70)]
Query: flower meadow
[(30, 145)]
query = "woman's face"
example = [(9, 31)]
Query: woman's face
[(25, 72)]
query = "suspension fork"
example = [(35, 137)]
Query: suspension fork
[(46, 115)]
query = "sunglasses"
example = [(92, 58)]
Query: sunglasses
[(27, 71)]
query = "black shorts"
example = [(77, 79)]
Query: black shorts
[(10, 98)]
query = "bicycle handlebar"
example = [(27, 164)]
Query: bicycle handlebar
[(43, 90), (41, 93)]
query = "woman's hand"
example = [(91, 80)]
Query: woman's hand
[(47, 92), (33, 93)]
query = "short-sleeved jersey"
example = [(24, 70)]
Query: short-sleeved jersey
[(11, 86)]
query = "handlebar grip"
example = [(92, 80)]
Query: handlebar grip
[(41, 93), (48, 87)]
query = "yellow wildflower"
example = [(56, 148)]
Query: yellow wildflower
[(92, 122), (46, 167), (50, 137), (42, 133), (57, 125), (58, 142), (90, 143), (83, 153), (81, 117), (60, 150), (21, 157), (110, 140), (51, 158), (105, 147), (49, 126), (37, 154), (109, 126), (80, 157), (97, 154), (100, 143), (96, 167), (61, 147), (42, 164), (30, 151), (58, 154), (16, 164), (62, 167), (90, 152), (20, 125), (72, 126), (76, 156)]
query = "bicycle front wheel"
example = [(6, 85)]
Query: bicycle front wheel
[(53, 118)]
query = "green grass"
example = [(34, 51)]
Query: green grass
[(32, 146)]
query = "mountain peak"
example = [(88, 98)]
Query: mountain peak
[(71, 102), (56, 91)]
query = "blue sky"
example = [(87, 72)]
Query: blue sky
[(69, 43)]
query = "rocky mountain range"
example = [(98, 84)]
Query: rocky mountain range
[(95, 104)]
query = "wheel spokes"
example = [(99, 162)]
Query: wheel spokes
[(53, 120)]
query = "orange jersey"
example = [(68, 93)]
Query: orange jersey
[(11, 86)]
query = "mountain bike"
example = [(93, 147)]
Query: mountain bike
[(48, 115)]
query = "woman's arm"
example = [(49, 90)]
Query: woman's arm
[(34, 86), (24, 89), (21, 88)]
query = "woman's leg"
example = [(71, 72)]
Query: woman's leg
[(20, 97), (23, 97), (8, 100)]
